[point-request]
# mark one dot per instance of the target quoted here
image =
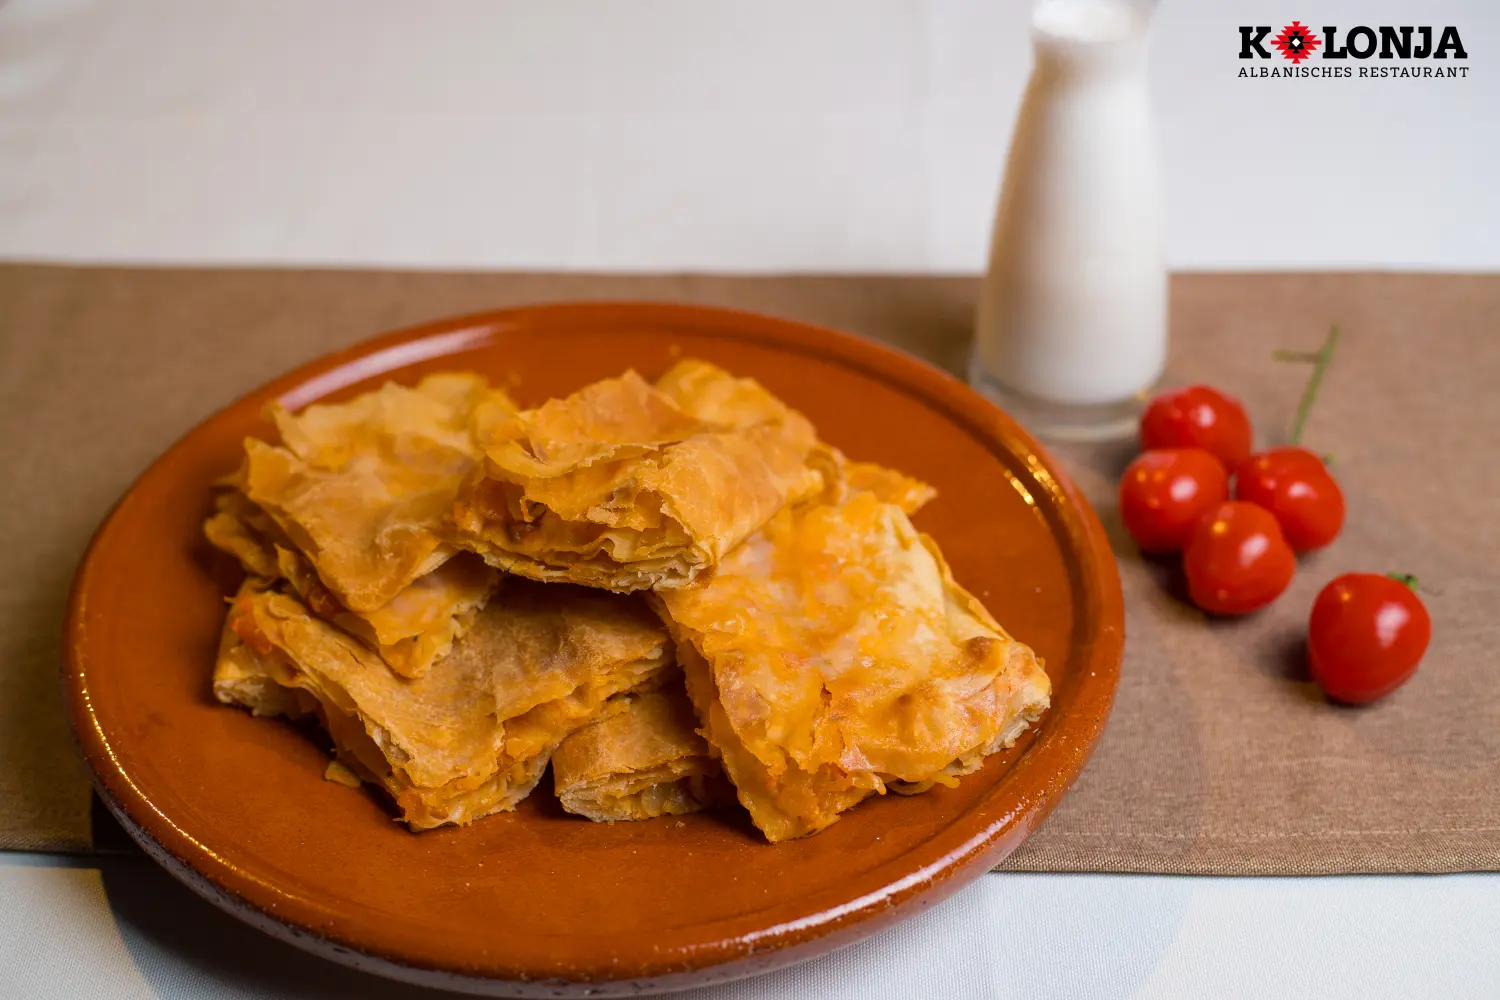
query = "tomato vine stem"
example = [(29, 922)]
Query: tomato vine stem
[(1320, 361)]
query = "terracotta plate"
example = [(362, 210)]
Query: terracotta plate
[(537, 902)]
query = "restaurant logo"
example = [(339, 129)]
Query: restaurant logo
[(1295, 42), (1404, 51)]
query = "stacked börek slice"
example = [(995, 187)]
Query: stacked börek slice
[(673, 593)]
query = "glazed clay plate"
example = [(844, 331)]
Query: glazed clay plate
[(538, 902)]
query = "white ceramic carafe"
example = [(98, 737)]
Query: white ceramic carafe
[(1072, 326)]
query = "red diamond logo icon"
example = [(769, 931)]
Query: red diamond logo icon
[(1296, 41)]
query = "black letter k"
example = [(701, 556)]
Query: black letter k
[(1248, 43)]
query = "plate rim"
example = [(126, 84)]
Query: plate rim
[(1067, 746)]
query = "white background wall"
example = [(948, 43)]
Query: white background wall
[(769, 135)]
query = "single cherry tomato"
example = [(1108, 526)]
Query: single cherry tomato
[(1294, 484), (1366, 636), (1295, 457), (1163, 493), (1237, 559), (1198, 417)]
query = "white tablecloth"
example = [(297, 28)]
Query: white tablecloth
[(126, 931), (851, 135)]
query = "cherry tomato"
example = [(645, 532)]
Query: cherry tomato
[(1198, 417), (1237, 559), (1366, 636), (1163, 493), (1294, 484)]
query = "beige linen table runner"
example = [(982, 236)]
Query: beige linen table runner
[(1220, 756)]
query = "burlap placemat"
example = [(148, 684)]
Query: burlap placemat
[(1220, 756)]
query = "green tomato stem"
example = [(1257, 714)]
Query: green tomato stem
[(1406, 578), (1310, 393)]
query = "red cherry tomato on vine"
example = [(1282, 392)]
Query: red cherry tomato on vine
[(1198, 417), (1163, 493), (1366, 636), (1294, 484), (1237, 559)]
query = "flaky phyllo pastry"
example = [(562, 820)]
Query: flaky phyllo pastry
[(352, 509), (429, 575), (365, 489), (641, 758), (832, 656), (625, 485), (473, 735), (410, 631)]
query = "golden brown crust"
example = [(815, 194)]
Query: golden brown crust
[(625, 485), (419, 625), (410, 631), (833, 654), (364, 489), (640, 759), (474, 734), (888, 485), (827, 652), (240, 528)]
